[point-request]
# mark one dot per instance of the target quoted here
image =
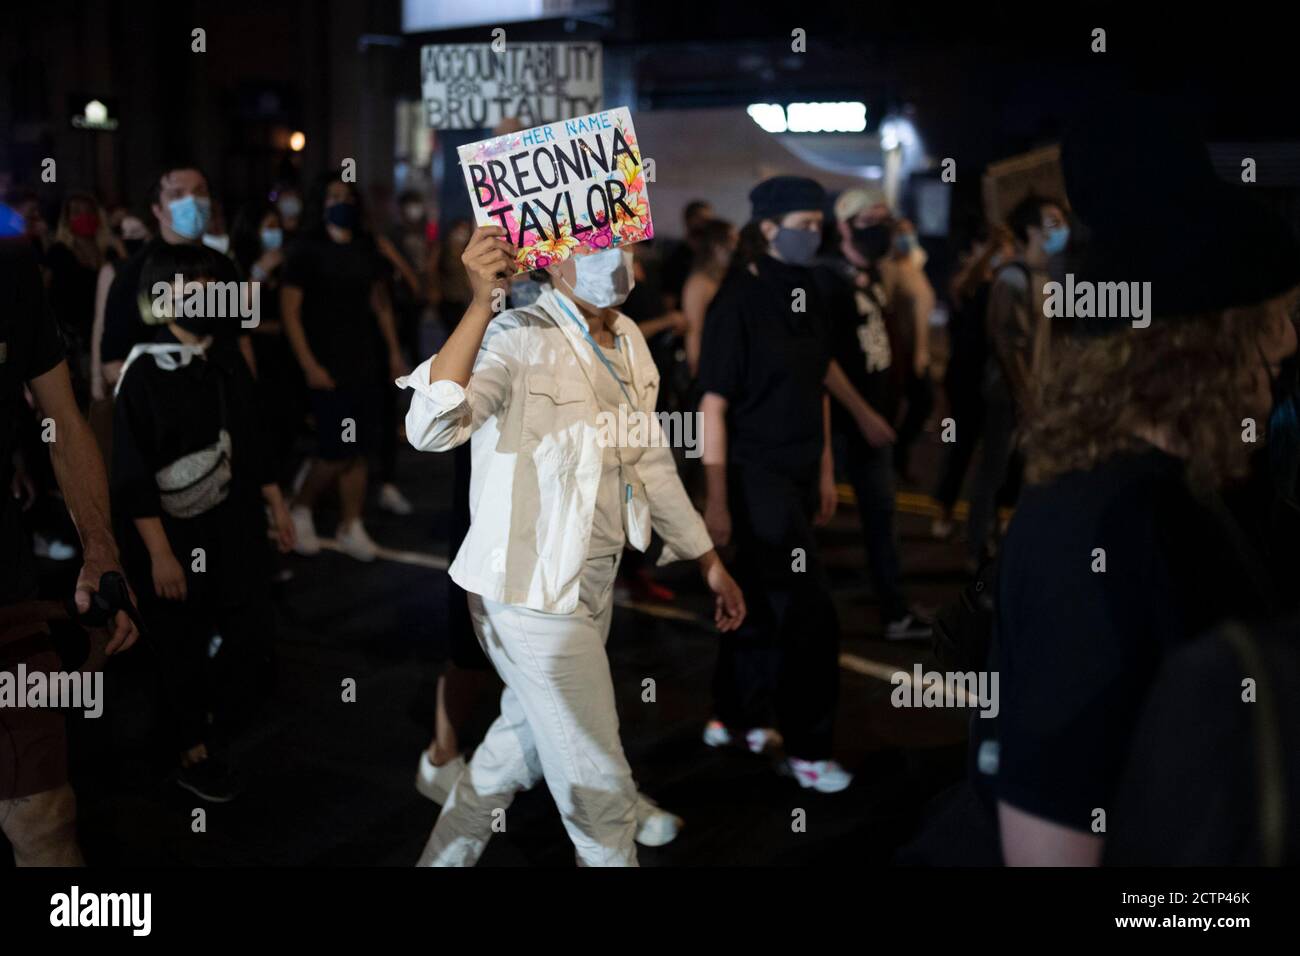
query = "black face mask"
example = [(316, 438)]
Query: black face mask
[(218, 328), (1284, 430), (873, 241), (342, 214)]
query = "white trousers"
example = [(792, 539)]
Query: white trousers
[(557, 722)]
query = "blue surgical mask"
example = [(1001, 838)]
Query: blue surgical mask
[(906, 243), (272, 239), (798, 247), (190, 215), (1056, 240)]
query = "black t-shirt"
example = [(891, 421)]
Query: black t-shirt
[(123, 327), (336, 279), (162, 414), (769, 362), (72, 293), (859, 338), (30, 345), (1076, 650)]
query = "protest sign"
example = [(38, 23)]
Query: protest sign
[(472, 86), (564, 188)]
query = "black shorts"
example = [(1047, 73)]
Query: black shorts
[(33, 740), (347, 421)]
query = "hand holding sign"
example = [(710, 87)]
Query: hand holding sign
[(562, 189), (490, 261)]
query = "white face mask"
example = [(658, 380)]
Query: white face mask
[(220, 243), (604, 278)]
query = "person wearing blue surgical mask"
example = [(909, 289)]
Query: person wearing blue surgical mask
[(256, 238), (182, 206), (553, 377)]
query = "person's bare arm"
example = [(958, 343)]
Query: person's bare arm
[(829, 496), (696, 296), (79, 470), (1028, 840), (98, 385), (713, 441), (922, 307), (391, 253), (489, 261), (382, 306)]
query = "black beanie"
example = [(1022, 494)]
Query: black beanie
[(773, 198)]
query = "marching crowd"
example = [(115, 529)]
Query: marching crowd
[(1143, 516)]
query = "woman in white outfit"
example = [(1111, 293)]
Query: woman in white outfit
[(555, 494)]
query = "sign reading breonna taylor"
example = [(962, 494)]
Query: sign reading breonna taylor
[(472, 86), (571, 186)]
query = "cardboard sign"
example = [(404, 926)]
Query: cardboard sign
[(561, 189), (471, 86)]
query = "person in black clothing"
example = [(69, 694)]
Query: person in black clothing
[(855, 304), (37, 805), (257, 243), (332, 298), (192, 476), (968, 352), (182, 205), (1121, 549), (765, 366)]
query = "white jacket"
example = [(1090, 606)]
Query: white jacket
[(531, 409)]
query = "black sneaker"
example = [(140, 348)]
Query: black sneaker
[(209, 779)]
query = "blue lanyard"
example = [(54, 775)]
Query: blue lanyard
[(595, 347)]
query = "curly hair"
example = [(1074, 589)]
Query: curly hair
[(1190, 377)]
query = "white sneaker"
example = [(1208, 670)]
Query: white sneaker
[(52, 549), (392, 500), (716, 734), (909, 627), (304, 532), (655, 826), (355, 543), (436, 782), (824, 776), (762, 739)]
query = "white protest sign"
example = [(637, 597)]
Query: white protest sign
[(470, 86), (566, 187)]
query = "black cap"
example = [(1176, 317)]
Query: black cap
[(1139, 176), (773, 198)]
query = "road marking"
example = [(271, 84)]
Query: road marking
[(893, 674), (402, 557)]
